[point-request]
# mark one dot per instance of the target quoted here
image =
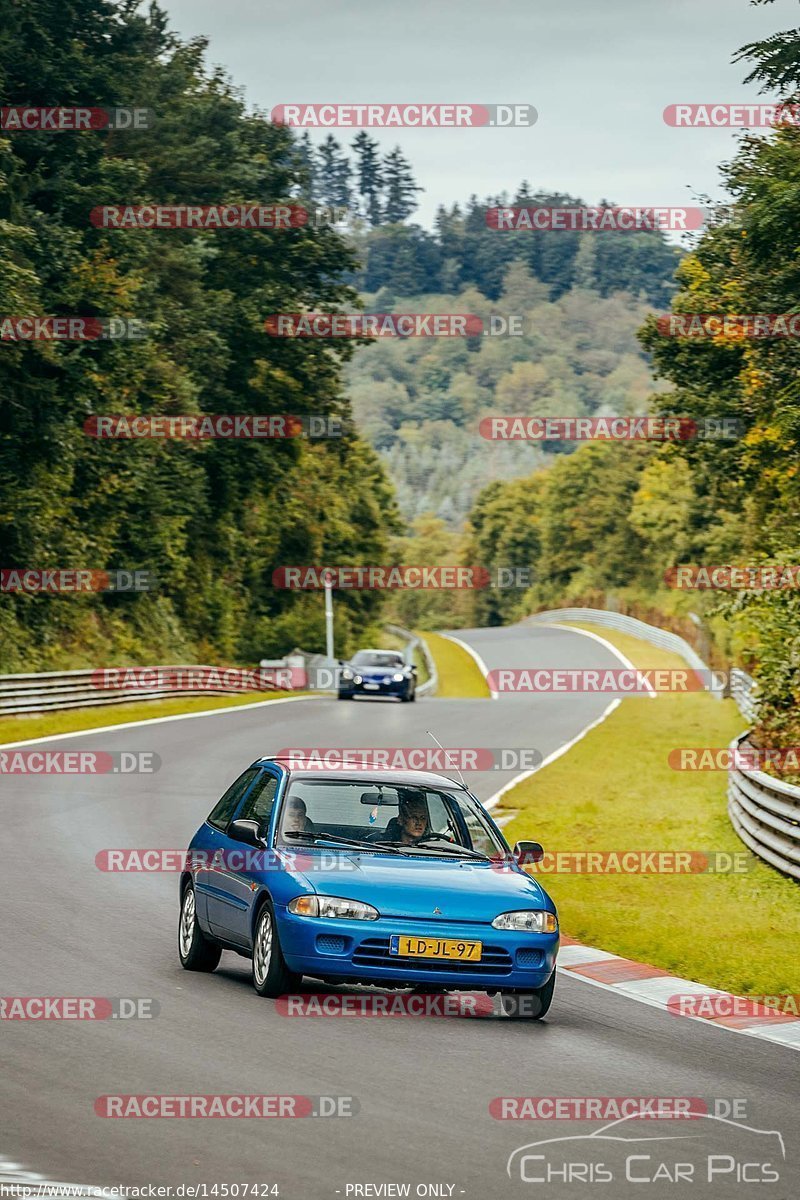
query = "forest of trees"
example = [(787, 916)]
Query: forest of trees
[(375, 195), (420, 401), (605, 523), (211, 519)]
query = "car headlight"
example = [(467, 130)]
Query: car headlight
[(347, 673), (532, 920), (356, 679), (398, 678), (332, 906)]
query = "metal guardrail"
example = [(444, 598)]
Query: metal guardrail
[(640, 629), (428, 688), (765, 812), (743, 691), (48, 691)]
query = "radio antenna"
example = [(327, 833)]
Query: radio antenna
[(441, 747)]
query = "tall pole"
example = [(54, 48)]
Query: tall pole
[(328, 618)]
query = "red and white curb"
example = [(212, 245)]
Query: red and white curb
[(651, 985)]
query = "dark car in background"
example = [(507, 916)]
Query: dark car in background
[(377, 673)]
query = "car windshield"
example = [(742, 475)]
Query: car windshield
[(414, 819), (377, 658)]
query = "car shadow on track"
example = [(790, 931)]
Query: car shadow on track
[(316, 998)]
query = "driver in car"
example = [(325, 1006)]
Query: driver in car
[(411, 822)]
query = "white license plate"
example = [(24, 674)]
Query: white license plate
[(371, 687)]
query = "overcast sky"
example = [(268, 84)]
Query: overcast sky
[(599, 72)]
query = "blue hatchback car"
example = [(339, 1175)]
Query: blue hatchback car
[(388, 878)]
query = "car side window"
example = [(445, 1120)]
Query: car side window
[(224, 809), (258, 805)]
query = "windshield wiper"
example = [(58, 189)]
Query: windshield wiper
[(339, 841), (452, 848)]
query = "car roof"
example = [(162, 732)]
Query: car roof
[(375, 775)]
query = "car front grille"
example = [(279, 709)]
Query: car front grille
[(374, 952)]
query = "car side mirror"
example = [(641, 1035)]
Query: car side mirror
[(245, 831), (526, 853)]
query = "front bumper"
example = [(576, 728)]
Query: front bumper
[(342, 950), (374, 687)]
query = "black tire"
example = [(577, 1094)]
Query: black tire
[(409, 696), (529, 1006), (195, 950), (271, 976), (345, 695)]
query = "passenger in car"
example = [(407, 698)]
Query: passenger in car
[(295, 818)]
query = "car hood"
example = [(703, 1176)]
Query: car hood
[(404, 886)]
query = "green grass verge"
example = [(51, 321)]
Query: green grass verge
[(614, 790), (459, 675), (19, 729)]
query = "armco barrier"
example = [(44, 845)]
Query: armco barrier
[(51, 690), (636, 628), (48, 691), (743, 690), (765, 812)]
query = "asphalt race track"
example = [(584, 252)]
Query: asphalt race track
[(423, 1086)]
